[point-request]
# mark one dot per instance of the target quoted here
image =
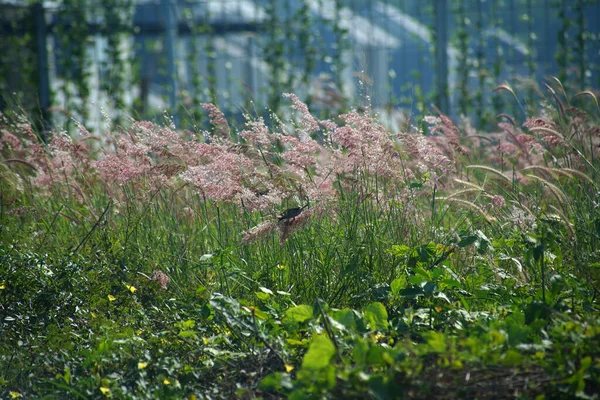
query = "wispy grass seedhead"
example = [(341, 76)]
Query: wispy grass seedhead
[(491, 170), (176, 196)]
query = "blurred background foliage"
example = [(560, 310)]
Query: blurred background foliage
[(80, 60)]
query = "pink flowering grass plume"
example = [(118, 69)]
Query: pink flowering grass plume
[(150, 154), (309, 123), (425, 157), (221, 177), (518, 146), (63, 166), (259, 232), (283, 162), (218, 121), (498, 201), (162, 279), (362, 144), (445, 136), (257, 134), (25, 145)]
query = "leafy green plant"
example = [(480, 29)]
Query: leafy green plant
[(309, 259)]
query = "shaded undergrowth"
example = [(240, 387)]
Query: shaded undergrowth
[(307, 259)]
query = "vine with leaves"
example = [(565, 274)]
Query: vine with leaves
[(72, 58), (498, 65), (461, 39), (415, 93), (306, 42), (194, 90), (480, 64), (118, 24), (342, 44), (564, 55), (580, 43), (530, 60), (19, 84), (274, 51)]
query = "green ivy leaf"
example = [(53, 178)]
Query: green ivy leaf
[(426, 252), (299, 313), (512, 358), (429, 288), (399, 250), (436, 341), (377, 317), (398, 284), (360, 351), (188, 334), (346, 317), (319, 353), (411, 293), (379, 387), (262, 296)]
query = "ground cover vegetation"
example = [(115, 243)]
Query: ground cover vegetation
[(304, 259)]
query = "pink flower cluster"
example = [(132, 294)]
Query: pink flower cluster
[(162, 279), (218, 121), (257, 168)]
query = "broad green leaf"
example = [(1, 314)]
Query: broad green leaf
[(379, 388), (271, 382), (450, 283), (360, 351), (184, 325), (429, 288), (377, 317), (436, 341), (411, 293), (399, 250), (202, 292), (417, 280), (398, 284), (262, 296), (422, 272), (260, 314), (276, 381), (319, 353), (426, 252), (436, 273), (375, 355), (484, 243), (346, 317), (187, 334), (512, 358), (299, 313)]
